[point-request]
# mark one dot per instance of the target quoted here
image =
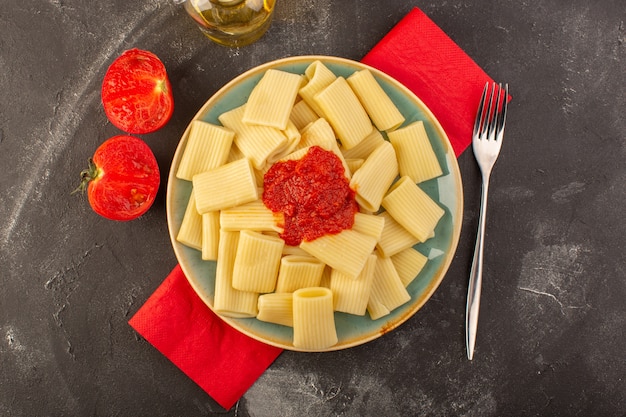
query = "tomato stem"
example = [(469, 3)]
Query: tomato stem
[(86, 176)]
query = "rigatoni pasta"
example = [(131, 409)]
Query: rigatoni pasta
[(276, 308), (408, 263), (208, 147), (373, 179), (313, 319), (416, 157), (344, 112), (210, 235), (318, 133), (346, 251), (376, 309), (351, 295), (226, 186), (405, 199), (190, 232), (298, 272), (376, 102), (272, 99), (250, 216), (394, 238), (257, 262)]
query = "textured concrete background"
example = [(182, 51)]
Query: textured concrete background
[(551, 339)]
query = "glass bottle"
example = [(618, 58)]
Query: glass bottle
[(231, 23)]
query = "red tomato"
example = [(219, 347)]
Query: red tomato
[(136, 92), (123, 178)]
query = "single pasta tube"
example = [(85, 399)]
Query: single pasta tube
[(351, 295), (394, 237), (313, 319), (190, 232), (226, 186), (346, 251), (375, 176), (298, 272), (257, 262), (408, 264), (344, 112), (272, 99), (416, 157), (208, 147), (383, 112), (276, 308), (250, 216), (404, 200), (210, 235)]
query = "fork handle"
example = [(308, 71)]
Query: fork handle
[(476, 276)]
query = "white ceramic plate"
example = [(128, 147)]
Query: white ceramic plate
[(447, 191)]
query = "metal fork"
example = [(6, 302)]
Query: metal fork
[(486, 143)]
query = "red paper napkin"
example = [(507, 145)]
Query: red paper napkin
[(220, 359), (224, 362)]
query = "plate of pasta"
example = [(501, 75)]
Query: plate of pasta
[(314, 203)]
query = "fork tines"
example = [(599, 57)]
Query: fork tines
[(495, 105)]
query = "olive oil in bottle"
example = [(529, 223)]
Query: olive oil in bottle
[(232, 23)]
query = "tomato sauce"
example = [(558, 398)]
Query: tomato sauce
[(313, 194)]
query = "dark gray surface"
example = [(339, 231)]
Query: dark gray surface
[(551, 335)]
